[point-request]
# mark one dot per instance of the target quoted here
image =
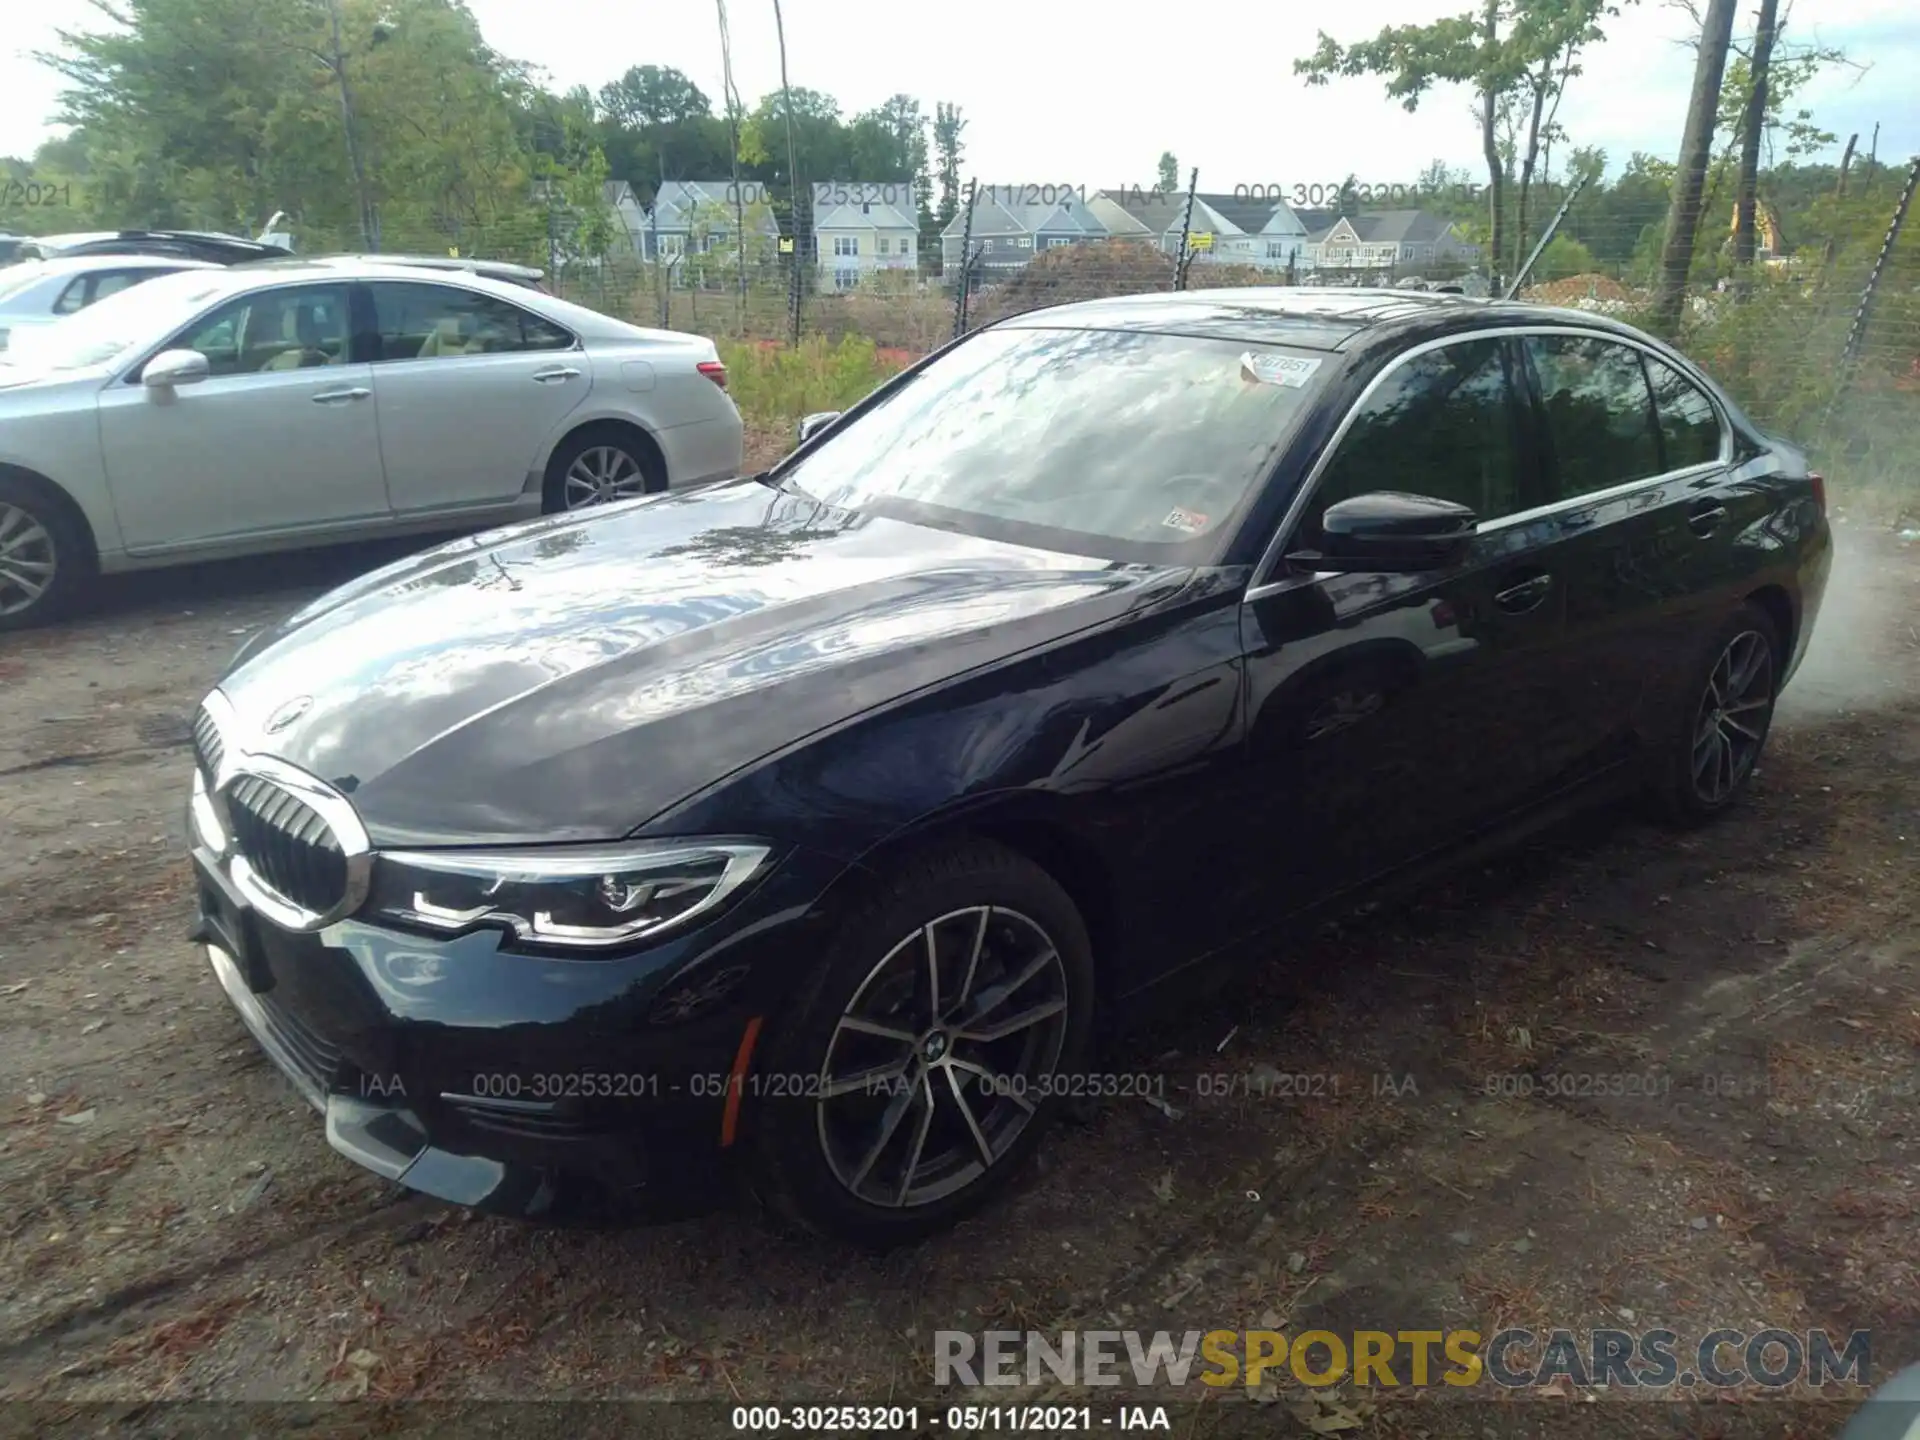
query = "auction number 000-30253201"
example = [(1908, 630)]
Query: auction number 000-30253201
[(1367, 192)]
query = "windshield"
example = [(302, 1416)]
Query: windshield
[(105, 331), (16, 278), (1124, 445)]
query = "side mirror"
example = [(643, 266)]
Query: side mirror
[(175, 367), (813, 424), (1391, 532)]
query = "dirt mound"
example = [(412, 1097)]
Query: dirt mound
[(1576, 288)]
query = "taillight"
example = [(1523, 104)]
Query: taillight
[(1819, 483), (714, 371)]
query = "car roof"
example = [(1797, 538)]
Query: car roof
[(446, 262), (499, 269), (1312, 318), (94, 260), (357, 267), (194, 244)]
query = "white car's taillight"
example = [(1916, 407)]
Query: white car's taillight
[(715, 371)]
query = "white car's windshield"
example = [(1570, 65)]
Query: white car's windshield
[(135, 316), (16, 278), (1123, 444)]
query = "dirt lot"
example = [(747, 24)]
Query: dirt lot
[(173, 1226)]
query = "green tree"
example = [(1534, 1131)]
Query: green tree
[(216, 113), (570, 172), (950, 150), (173, 102), (652, 96), (1757, 119), (1508, 52), (657, 125), (1168, 177), (1696, 148), (822, 147), (1563, 256), (901, 128), (440, 118)]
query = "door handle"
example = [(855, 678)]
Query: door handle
[(555, 375), (340, 397), (1706, 518), (1519, 598)]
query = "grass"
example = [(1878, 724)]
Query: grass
[(774, 385)]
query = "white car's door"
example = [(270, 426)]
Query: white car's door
[(469, 387), (280, 437)]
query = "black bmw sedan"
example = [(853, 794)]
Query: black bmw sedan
[(812, 826)]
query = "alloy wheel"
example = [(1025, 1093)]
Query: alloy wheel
[(1731, 723), (942, 1056), (29, 559), (602, 474)]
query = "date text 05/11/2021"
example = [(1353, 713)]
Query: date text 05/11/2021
[(950, 1419)]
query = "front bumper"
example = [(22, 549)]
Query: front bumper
[(545, 1089), (387, 1138)]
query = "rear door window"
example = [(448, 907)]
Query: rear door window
[(1599, 413), (1689, 423), (443, 322)]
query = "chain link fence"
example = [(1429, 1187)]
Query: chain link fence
[(1818, 337)]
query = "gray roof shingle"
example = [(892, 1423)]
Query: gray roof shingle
[(856, 205), (1009, 210), (1385, 227), (675, 203)]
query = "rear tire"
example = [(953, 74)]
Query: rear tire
[(599, 464), (1720, 720), (907, 1119), (46, 558)]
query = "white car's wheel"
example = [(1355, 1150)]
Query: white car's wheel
[(44, 555), (599, 465)]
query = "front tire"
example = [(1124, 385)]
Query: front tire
[(598, 465), (45, 558), (1721, 721), (927, 1048)]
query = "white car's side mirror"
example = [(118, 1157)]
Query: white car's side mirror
[(175, 367)]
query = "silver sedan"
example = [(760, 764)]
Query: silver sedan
[(39, 292), (272, 407)]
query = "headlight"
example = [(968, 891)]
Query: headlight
[(580, 896)]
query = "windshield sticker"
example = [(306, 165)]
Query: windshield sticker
[(1289, 370), (1185, 520)]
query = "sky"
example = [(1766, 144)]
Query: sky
[(1077, 93)]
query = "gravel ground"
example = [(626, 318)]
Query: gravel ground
[(173, 1226)]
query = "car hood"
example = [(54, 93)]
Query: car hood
[(571, 678), (21, 375)]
